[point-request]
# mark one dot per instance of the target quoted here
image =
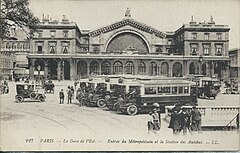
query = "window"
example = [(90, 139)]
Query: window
[(52, 33), (150, 90), (186, 90), (180, 90), (159, 49), (194, 50), (169, 42), (219, 36), (39, 49), (194, 36), (141, 68), (174, 90), (52, 47), (206, 51), (117, 68), (163, 90), (206, 36), (39, 34), (65, 47), (219, 51), (65, 33)]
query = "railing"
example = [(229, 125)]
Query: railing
[(212, 116)]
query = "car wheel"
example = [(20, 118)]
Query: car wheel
[(41, 98), (19, 98), (33, 95), (132, 110), (101, 103)]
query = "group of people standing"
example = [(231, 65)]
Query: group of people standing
[(184, 119), (69, 93)]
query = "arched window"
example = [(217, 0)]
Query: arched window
[(117, 68), (94, 67), (177, 69), (129, 68), (141, 68), (153, 69), (106, 68), (164, 69), (82, 68), (193, 68)]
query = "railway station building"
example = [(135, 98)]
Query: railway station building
[(60, 50)]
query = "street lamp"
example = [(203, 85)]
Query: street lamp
[(200, 62)]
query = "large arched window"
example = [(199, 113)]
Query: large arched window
[(106, 68), (141, 68), (127, 41), (153, 69), (164, 69), (82, 68), (117, 68), (94, 67), (193, 68), (177, 69), (129, 68)]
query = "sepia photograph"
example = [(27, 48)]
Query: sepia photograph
[(120, 75)]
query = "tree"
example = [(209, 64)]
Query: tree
[(16, 13)]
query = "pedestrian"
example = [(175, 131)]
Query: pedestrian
[(156, 116), (175, 121), (185, 120), (69, 93), (72, 90), (196, 119), (75, 85), (61, 96)]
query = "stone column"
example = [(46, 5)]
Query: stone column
[(170, 73), (72, 68), (59, 70), (135, 62), (88, 68), (31, 69), (45, 69), (100, 68), (212, 69)]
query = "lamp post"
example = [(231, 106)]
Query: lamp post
[(200, 62)]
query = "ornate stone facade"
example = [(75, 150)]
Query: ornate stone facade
[(63, 51)]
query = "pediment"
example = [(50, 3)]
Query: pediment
[(130, 22)]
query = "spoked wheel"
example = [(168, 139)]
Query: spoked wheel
[(41, 98), (19, 98), (132, 110), (33, 95), (101, 103)]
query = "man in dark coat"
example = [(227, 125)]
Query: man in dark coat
[(196, 119), (61, 96)]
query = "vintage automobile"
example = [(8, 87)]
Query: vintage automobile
[(94, 90), (208, 87), (164, 92), (49, 87), (233, 88), (27, 90)]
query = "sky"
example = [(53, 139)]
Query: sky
[(164, 15)]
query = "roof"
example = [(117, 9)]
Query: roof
[(131, 22)]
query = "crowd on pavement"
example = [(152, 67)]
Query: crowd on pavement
[(182, 119)]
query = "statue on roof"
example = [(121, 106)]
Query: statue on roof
[(127, 13)]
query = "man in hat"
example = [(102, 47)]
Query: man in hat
[(196, 118), (156, 124)]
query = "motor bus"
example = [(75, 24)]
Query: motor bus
[(164, 92)]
